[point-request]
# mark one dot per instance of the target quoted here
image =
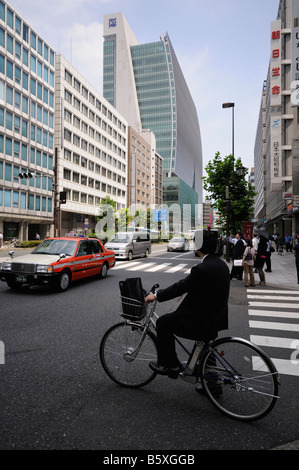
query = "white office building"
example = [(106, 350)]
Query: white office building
[(91, 139), (277, 139)]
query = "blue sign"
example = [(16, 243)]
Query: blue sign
[(112, 22), (160, 215)]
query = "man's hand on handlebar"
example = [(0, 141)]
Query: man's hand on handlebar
[(150, 298)]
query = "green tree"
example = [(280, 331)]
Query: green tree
[(222, 176), (106, 218)]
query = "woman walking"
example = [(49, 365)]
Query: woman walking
[(261, 258), (248, 262)]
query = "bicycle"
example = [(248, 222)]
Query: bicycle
[(236, 375)]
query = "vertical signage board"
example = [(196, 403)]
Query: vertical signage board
[(276, 179), (275, 63), (295, 53)]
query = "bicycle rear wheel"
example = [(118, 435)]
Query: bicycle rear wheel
[(124, 358), (239, 379)]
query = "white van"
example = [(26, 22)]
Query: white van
[(128, 245)]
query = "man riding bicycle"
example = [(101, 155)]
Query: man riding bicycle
[(204, 310)]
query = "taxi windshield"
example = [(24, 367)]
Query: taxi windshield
[(56, 247), (121, 238)]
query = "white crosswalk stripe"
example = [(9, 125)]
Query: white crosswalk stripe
[(151, 267), (137, 268), (279, 305), (174, 269), (158, 267), (125, 265)]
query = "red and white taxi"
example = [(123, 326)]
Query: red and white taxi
[(58, 261)]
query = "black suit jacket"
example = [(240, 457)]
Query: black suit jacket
[(205, 307), (238, 249)]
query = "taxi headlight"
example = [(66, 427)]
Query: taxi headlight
[(6, 266), (44, 268)]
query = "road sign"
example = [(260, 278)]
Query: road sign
[(160, 215)]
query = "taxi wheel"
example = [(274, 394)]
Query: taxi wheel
[(63, 281), (104, 271)]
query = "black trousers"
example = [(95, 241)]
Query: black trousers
[(297, 267), (167, 326), (268, 260), (237, 272)]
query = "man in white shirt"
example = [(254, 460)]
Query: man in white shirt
[(255, 242)]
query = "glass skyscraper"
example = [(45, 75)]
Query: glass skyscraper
[(146, 84)]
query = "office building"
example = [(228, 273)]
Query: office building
[(146, 85), (91, 138), (27, 74), (277, 140), (145, 170)]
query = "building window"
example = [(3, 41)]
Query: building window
[(66, 174)]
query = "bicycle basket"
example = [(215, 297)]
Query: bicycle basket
[(132, 299)]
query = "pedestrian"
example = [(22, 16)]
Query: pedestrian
[(248, 262), (237, 254), (288, 241), (296, 254), (279, 243), (261, 258), (270, 249), (1, 239), (255, 242), (203, 311)]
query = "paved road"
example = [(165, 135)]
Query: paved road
[(55, 395)]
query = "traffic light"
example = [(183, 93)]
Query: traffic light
[(26, 175), (62, 197)]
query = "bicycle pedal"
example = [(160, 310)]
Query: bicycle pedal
[(188, 378)]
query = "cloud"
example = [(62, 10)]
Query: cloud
[(82, 46)]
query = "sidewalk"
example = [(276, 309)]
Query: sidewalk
[(283, 273)]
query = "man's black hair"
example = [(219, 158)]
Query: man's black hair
[(209, 243)]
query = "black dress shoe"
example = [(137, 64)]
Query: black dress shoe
[(171, 372)]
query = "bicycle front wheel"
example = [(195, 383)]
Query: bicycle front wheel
[(239, 379), (125, 354)]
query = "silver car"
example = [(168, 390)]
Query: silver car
[(178, 244), (128, 245)]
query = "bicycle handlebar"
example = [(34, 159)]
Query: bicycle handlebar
[(155, 287)]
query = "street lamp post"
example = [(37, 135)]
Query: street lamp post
[(231, 105), (241, 173)]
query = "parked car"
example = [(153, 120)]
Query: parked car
[(178, 244), (58, 261), (128, 245)]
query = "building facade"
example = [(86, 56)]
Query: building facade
[(146, 84), (277, 140), (91, 138), (27, 75)]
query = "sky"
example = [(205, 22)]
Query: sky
[(223, 47)]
